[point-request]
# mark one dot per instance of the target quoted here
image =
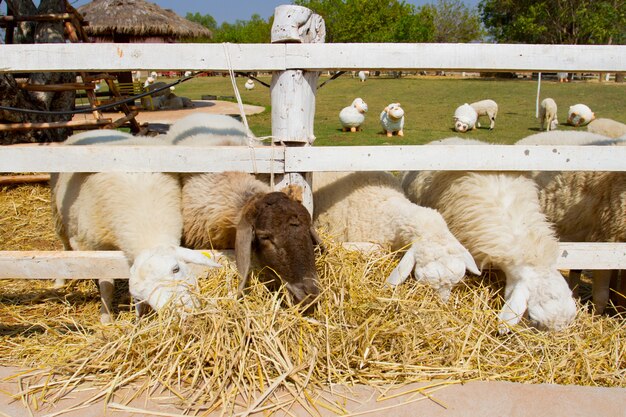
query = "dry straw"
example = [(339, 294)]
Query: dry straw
[(259, 353)]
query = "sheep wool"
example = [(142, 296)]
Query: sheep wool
[(487, 108), (498, 218), (607, 127), (370, 207), (548, 114)]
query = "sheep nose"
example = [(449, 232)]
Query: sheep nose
[(305, 291)]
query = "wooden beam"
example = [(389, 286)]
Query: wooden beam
[(113, 264), (313, 57), (51, 125), (56, 87), (23, 179), (51, 17)]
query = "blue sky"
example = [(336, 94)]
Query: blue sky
[(232, 10)]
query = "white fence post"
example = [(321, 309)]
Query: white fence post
[(293, 91)]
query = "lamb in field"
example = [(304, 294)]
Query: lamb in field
[(584, 206), (236, 210), (547, 114), (579, 115), (137, 213), (370, 206), (353, 116), (487, 108), (607, 127), (497, 217), (392, 120), (465, 118)]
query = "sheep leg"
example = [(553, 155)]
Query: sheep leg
[(493, 122), (353, 129), (400, 133), (106, 297), (389, 134), (574, 281), (600, 289)]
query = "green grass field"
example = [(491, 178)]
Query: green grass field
[(429, 103)]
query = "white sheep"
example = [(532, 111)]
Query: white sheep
[(362, 76), (465, 118), (392, 119), (370, 206), (249, 85), (235, 210), (607, 127), (353, 116), (562, 76), (584, 206), (487, 108), (579, 115), (547, 114), (137, 213), (497, 217)]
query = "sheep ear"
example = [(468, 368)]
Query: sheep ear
[(317, 240), (386, 109), (191, 256), (243, 250), (404, 268), (294, 192), (470, 263), (514, 308)]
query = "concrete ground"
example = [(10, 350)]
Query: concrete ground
[(436, 399)]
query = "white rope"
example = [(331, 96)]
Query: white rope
[(538, 93)]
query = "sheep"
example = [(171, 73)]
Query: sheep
[(465, 118), (547, 114), (236, 210), (607, 127), (370, 206), (487, 108), (353, 116), (579, 115), (563, 77), (584, 206), (137, 213), (497, 217), (392, 119), (362, 76), (249, 85)]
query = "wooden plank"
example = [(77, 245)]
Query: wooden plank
[(113, 264), (455, 158), (459, 57), (54, 125), (98, 57), (72, 264), (51, 158), (315, 57)]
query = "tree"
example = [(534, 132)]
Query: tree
[(555, 21), (12, 96), (454, 22), (255, 30), (207, 20)]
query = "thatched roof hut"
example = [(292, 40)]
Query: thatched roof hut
[(137, 21)]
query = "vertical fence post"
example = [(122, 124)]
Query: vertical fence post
[(293, 91)]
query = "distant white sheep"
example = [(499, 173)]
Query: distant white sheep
[(392, 119), (370, 206), (353, 116), (487, 108), (362, 76), (584, 206), (579, 115), (548, 114), (497, 217), (465, 118), (607, 127), (249, 85), (137, 213)]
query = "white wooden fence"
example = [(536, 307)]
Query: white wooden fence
[(278, 57)]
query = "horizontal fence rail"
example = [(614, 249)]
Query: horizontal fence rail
[(280, 159), (316, 57), (113, 264)]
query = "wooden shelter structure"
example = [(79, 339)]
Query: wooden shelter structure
[(137, 21)]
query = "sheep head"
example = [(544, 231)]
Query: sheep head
[(542, 292), (360, 105), (277, 231), (394, 111), (160, 276)]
